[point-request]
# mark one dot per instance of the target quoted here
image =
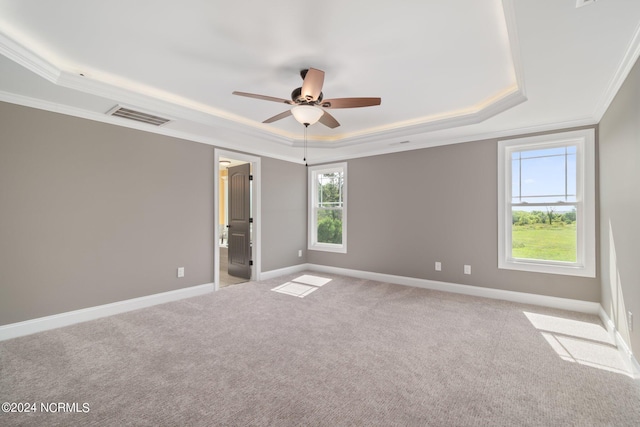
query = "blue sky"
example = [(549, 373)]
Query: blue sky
[(543, 173)]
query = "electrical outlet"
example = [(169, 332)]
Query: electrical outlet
[(630, 320), (180, 271), (438, 266), (299, 253), (467, 269)]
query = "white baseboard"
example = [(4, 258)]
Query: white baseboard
[(28, 327), (268, 275), (627, 355), (478, 291), (63, 319)]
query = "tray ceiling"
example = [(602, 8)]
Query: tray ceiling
[(446, 71)]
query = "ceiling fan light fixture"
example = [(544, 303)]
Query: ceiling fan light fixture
[(307, 114)]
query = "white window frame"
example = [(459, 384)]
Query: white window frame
[(585, 264), (313, 243)]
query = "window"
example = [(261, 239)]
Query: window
[(328, 208), (546, 203)]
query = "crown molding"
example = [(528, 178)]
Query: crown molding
[(424, 141), (514, 44), (252, 144), (28, 59), (502, 104), (624, 68), (381, 146)]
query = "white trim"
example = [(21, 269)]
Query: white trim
[(624, 68), (294, 269), (28, 59), (627, 355), (585, 265), (384, 145), (378, 146), (256, 213), (41, 324), (511, 22), (102, 117), (69, 318), (477, 291)]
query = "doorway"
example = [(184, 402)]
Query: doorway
[(237, 219)]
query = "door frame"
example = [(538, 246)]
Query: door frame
[(256, 253)]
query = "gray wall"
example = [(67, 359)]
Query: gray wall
[(408, 210), (620, 208), (284, 213), (92, 213)]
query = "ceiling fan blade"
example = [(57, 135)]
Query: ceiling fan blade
[(350, 102), (329, 121), (312, 85), (263, 97), (278, 117)]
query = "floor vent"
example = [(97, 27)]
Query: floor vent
[(138, 116)]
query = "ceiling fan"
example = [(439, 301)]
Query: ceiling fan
[(309, 103)]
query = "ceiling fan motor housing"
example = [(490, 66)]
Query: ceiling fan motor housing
[(296, 96)]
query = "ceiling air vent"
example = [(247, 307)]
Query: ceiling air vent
[(580, 3), (138, 116)]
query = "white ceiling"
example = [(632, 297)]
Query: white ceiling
[(447, 71)]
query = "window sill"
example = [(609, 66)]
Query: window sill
[(547, 268), (327, 247)]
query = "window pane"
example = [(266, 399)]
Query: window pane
[(329, 226), (544, 176), (572, 176), (330, 189), (515, 176), (558, 151), (544, 233)]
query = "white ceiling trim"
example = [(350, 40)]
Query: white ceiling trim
[(28, 59), (514, 44), (423, 141), (630, 57), (384, 145), (406, 130), (249, 146), (152, 101)]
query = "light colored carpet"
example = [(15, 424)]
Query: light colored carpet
[(353, 353)]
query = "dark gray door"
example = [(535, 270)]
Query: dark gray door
[(239, 221)]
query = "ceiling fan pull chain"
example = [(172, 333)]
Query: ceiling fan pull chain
[(305, 144)]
